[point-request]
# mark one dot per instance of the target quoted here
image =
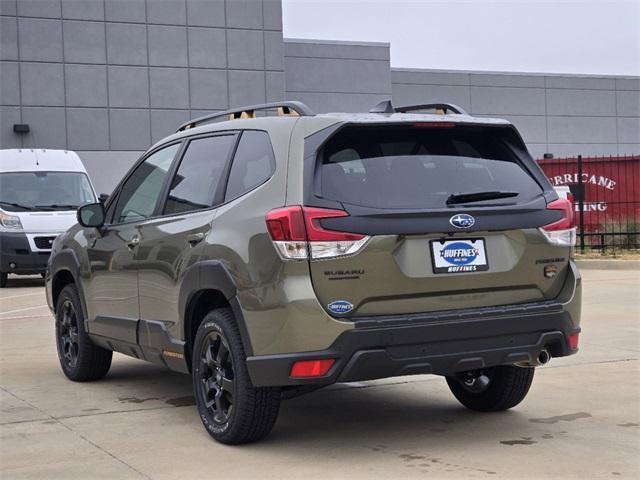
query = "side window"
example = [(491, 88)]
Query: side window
[(253, 163), (197, 183), (140, 193)]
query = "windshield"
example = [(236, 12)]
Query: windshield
[(418, 167), (21, 191)]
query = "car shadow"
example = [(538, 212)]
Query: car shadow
[(19, 281), (364, 414)]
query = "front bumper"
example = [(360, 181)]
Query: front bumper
[(442, 343), (17, 255)]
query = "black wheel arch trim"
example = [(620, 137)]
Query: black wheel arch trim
[(212, 275), (67, 260)]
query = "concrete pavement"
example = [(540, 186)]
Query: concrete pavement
[(580, 420)]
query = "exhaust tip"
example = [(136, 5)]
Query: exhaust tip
[(543, 357)]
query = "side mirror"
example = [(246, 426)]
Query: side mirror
[(91, 215), (103, 197)]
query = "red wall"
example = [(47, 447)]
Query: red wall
[(612, 187)]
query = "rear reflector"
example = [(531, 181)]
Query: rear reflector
[(572, 340), (562, 232), (311, 368), (297, 234)]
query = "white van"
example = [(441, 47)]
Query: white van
[(39, 193)]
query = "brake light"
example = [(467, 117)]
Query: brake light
[(562, 232), (297, 234), (433, 124), (311, 368)]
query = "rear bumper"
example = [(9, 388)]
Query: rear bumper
[(16, 255), (442, 344)]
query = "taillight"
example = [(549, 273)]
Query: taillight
[(297, 234), (561, 232), (286, 227)]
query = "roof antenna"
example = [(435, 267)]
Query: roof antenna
[(384, 106)]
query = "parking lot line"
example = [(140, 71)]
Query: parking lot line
[(23, 309), (23, 295)]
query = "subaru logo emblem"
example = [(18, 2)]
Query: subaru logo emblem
[(462, 220)]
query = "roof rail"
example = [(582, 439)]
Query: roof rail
[(284, 108), (387, 107)]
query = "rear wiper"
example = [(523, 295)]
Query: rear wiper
[(478, 196), (17, 205)]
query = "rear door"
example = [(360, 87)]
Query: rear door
[(176, 238), (440, 236)]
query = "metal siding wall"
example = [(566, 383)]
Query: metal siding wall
[(337, 76), (561, 114), (117, 75)]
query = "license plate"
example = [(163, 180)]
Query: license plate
[(459, 256)]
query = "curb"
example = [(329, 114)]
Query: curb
[(620, 264)]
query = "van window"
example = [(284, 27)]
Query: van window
[(140, 192), (197, 183), (44, 190), (253, 163), (418, 167)]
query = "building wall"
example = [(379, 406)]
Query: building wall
[(561, 114), (337, 76), (108, 78)]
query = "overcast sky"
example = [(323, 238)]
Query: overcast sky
[(560, 36)]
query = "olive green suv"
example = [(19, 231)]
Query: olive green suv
[(269, 255)]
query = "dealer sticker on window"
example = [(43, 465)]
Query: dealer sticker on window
[(459, 256)]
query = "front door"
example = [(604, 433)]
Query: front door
[(112, 286)]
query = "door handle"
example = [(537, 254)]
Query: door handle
[(195, 238), (135, 240)]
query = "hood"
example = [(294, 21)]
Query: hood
[(46, 222)]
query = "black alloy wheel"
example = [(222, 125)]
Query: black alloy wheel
[(477, 383), (67, 332), (81, 360), (232, 410), (492, 389), (217, 382)]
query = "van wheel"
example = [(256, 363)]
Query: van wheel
[(494, 389), (3, 279), (81, 360), (232, 410)]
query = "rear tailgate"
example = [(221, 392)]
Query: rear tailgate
[(423, 254)]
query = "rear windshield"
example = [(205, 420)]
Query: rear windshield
[(421, 166)]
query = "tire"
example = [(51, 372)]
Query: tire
[(507, 386), (80, 359), (3, 279), (232, 410)]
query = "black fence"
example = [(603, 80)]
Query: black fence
[(606, 193)]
